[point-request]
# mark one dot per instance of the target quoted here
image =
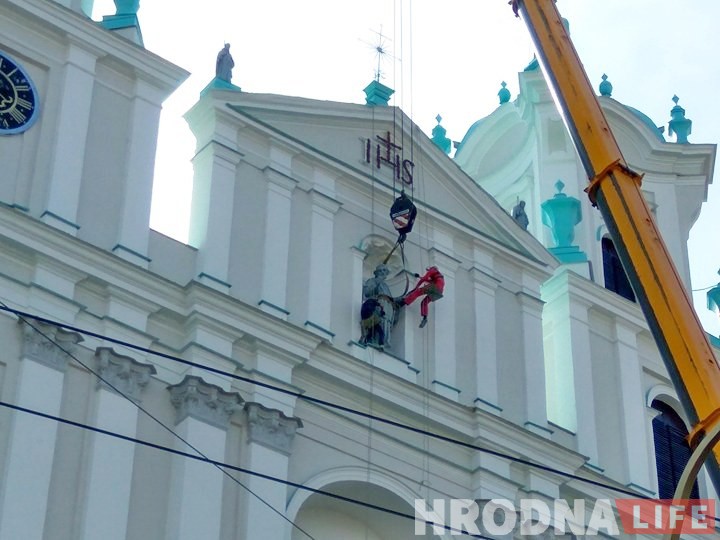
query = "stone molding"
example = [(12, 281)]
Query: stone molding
[(48, 344), (128, 376), (209, 403), (271, 427)]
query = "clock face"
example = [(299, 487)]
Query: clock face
[(19, 103)]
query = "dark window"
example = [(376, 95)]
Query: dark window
[(672, 451), (615, 278)]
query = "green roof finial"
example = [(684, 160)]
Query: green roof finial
[(605, 87), (561, 214), (439, 138), (681, 126), (504, 93)]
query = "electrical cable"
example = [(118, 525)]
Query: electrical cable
[(221, 465), (706, 288), (329, 404), (24, 318)]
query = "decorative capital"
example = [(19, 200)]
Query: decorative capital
[(125, 374), (48, 344), (203, 401), (270, 427)]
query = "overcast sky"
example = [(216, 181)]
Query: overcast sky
[(461, 51)]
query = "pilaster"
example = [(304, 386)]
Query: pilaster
[(196, 488), (634, 419), (581, 357), (278, 210), (32, 439), (486, 379), (209, 343), (444, 368), (68, 159), (324, 208), (358, 258), (533, 363), (270, 434), (109, 463), (273, 365), (133, 235), (211, 215)]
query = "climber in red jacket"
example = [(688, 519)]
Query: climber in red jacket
[(431, 285)]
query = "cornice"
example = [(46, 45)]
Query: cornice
[(132, 282)]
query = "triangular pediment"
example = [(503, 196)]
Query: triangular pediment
[(364, 146)]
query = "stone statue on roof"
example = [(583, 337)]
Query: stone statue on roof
[(520, 216), (224, 64)]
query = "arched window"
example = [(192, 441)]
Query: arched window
[(615, 278), (672, 451)]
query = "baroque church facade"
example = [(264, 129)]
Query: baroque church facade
[(220, 389)]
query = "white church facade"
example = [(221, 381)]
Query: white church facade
[(221, 389)]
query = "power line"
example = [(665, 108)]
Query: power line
[(148, 413), (706, 288), (221, 465), (329, 404)]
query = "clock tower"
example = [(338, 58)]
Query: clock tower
[(79, 114)]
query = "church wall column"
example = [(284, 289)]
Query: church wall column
[(32, 439), (442, 317), (324, 209), (275, 366), (68, 157), (578, 334), (196, 488), (634, 421), (533, 362), (358, 258), (571, 402), (270, 434), (486, 380), (273, 294), (211, 216), (133, 236), (110, 464)]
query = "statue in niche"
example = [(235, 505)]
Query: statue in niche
[(379, 310), (224, 64), (519, 215)]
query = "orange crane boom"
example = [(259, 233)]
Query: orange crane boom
[(615, 190)]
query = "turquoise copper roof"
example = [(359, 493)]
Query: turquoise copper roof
[(645, 119)]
